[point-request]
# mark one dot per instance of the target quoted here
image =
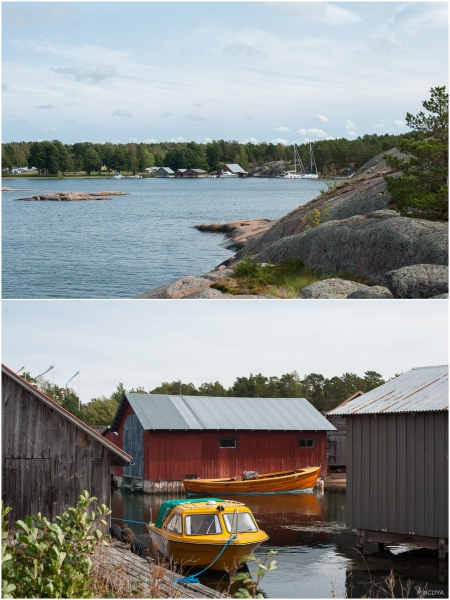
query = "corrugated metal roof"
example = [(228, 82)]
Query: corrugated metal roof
[(236, 168), (156, 411), (421, 389)]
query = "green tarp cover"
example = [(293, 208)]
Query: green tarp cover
[(167, 506)]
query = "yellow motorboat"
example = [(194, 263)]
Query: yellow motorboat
[(270, 483), (206, 532)]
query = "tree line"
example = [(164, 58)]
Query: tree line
[(54, 157), (323, 393)]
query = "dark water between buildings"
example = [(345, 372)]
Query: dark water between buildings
[(130, 244), (316, 553)]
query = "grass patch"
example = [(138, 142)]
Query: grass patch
[(284, 280)]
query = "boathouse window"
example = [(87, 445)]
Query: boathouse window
[(306, 443), (228, 442), (202, 525), (175, 523), (239, 522)]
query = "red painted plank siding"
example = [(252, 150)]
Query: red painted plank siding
[(170, 455)]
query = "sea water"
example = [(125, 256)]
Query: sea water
[(316, 552), (125, 246)]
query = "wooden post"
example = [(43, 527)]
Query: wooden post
[(380, 547), (443, 549), (360, 540)]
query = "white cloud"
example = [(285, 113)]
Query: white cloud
[(387, 44), (193, 118), (282, 129), (250, 140), (434, 15), (323, 12), (46, 106), (94, 75), (314, 134), (133, 141), (150, 141), (320, 118), (24, 16), (52, 129), (245, 51), (167, 114), (352, 133), (380, 125), (208, 140), (248, 117), (399, 123), (122, 114), (177, 140), (279, 141), (349, 125), (70, 121)]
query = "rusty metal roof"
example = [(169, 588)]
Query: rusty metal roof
[(422, 389), (160, 411)]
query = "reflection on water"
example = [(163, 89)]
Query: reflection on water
[(317, 557)]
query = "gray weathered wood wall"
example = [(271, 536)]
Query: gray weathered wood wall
[(397, 473), (47, 460), (133, 444)]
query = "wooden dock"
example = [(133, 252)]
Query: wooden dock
[(125, 571)]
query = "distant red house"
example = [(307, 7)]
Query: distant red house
[(171, 437), (233, 169)]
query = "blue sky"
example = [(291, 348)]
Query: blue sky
[(142, 343), (283, 71)]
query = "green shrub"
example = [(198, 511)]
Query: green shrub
[(52, 560)]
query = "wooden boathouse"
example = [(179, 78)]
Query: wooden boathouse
[(174, 437), (49, 456), (397, 461)]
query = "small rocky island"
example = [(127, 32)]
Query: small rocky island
[(72, 196)]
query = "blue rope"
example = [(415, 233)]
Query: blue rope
[(128, 521), (194, 578)]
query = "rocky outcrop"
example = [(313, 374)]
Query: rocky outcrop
[(375, 292), (330, 288), (238, 233), (179, 288), (368, 245), (72, 196), (418, 281)]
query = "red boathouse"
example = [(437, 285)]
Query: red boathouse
[(171, 437)]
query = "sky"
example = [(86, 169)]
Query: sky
[(195, 71), (143, 343)]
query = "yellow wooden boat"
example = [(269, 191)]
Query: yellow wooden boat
[(205, 533), (270, 483)]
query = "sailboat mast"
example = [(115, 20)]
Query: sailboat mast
[(295, 158)]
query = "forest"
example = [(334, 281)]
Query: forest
[(323, 393), (55, 158)]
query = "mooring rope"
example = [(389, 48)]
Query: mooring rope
[(194, 578), (129, 521)]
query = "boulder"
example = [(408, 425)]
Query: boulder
[(330, 288), (179, 288), (368, 245), (418, 281), (215, 275), (374, 292)]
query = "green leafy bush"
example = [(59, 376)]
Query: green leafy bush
[(251, 581), (52, 560)]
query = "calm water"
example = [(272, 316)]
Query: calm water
[(316, 552), (126, 246)]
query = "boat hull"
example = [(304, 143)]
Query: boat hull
[(200, 554), (272, 483)]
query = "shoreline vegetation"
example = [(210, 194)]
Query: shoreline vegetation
[(55, 159)]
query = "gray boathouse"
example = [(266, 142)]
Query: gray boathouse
[(49, 456), (397, 461)]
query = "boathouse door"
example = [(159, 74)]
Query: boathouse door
[(133, 444)]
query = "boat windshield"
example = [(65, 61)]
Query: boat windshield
[(239, 522), (202, 525)]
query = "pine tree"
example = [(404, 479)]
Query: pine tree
[(422, 188)]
